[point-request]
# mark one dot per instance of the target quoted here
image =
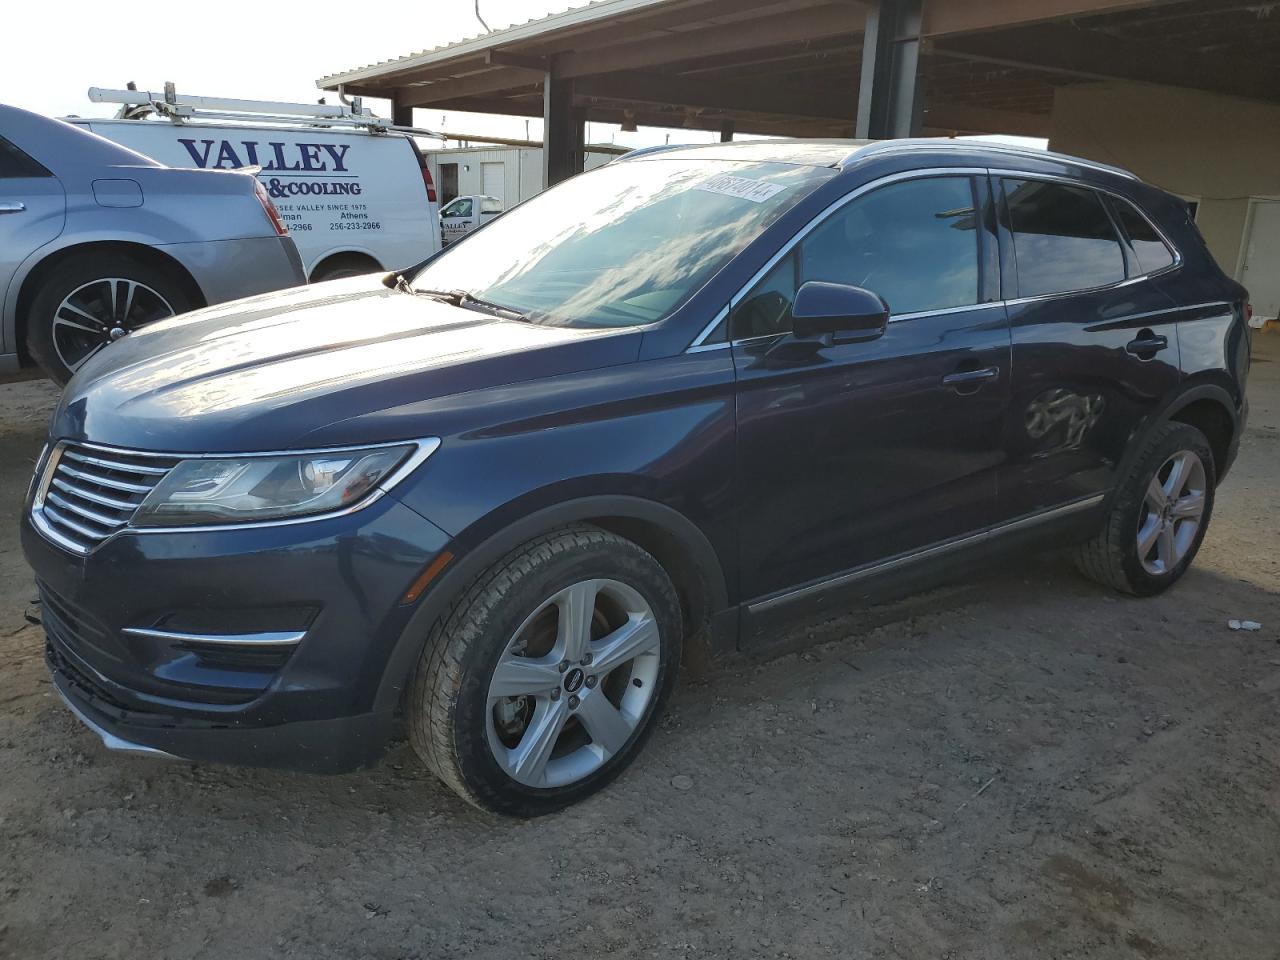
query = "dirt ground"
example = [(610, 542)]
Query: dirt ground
[(1031, 767)]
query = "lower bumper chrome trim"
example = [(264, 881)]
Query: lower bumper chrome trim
[(109, 739), (266, 639)]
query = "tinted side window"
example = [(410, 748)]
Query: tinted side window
[(915, 243), (14, 163), (1151, 251), (1063, 239)]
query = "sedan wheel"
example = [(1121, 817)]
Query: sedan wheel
[(100, 312)]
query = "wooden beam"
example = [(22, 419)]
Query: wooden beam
[(497, 80), (756, 34), (669, 89), (523, 61), (1093, 55), (949, 17)]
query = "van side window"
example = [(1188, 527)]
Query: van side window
[(915, 243), (490, 205), (1063, 238), (15, 164), (1152, 252)]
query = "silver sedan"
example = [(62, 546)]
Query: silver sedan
[(97, 240)]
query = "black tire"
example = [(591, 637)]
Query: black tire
[(343, 266), (449, 715), (1112, 558), (74, 274)]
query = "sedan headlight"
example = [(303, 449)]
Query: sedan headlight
[(244, 489)]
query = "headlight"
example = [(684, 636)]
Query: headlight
[(244, 489)]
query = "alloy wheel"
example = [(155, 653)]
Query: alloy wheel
[(1172, 512), (573, 684), (101, 311)]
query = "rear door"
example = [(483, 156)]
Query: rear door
[(32, 213), (865, 451), (1095, 344)]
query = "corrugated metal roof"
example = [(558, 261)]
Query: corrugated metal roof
[(574, 17)]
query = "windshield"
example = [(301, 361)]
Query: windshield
[(625, 244)]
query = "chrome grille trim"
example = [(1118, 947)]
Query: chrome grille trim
[(87, 494)]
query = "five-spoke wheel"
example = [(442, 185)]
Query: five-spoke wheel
[(544, 679)]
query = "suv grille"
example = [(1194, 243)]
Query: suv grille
[(88, 493)]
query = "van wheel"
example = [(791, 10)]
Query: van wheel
[(1158, 517), (544, 679), (344, 265), (87, 303)]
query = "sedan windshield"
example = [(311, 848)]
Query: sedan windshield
[(626, 244)]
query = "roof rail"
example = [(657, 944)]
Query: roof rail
[(948, 143), (645, 151)]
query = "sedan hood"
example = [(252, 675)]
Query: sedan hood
[(274, 372)]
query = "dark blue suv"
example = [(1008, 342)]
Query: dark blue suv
[(641, 418)]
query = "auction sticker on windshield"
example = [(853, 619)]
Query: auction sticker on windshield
[(744, 188)]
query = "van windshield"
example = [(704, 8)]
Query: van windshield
[(625, 244)]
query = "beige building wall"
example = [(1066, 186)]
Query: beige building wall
[(1219, 150)]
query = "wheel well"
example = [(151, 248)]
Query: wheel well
[(139, 251), (686, 576), (1213, 420), (345, 261)]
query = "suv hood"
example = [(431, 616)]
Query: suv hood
[(273, 372)]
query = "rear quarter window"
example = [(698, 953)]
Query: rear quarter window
[(15, 164), (1063, 238), (1152, 252)]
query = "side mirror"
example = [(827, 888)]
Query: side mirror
[(847, 313)]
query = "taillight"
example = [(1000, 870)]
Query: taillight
[(430, 184), (270, 209)]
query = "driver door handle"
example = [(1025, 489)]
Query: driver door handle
[(970, 378), (1148, 344)]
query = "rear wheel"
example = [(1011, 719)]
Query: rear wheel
[(543, 681), (1158, 517), (86, 304)]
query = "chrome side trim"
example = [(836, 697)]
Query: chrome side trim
[(109, 739), (287, 638), (698, 341), (935, 550)]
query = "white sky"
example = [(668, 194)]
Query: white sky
[(54, 50)]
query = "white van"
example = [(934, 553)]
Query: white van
[(461, 215), (355, 200)]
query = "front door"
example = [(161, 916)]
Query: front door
[(866, 451)]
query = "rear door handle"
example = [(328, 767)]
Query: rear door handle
[(970, 378), (12, 206), (1147, 344)]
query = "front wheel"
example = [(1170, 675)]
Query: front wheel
[(1158, 516), (85, 304), (542, 682)]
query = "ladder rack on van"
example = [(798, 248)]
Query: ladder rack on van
[(137, 104)]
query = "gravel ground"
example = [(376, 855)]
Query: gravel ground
[(1028, 766)]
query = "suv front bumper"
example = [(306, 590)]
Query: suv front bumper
[(312, 706)]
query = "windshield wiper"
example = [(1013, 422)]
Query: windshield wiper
[(458, 298)]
